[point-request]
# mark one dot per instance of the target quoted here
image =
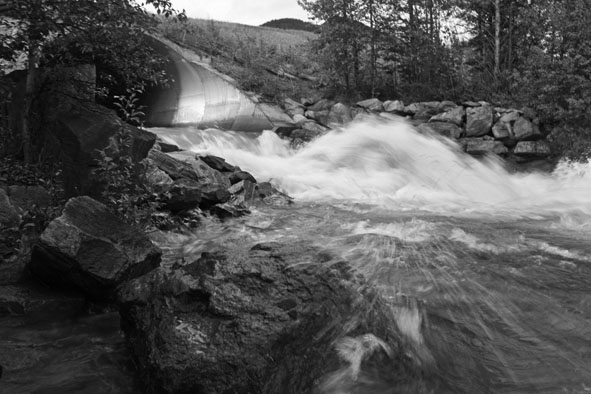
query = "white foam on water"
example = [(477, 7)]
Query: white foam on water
[(393, 166)]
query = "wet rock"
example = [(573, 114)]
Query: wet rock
[(525, 130), (165, 147), (183, 194), (480, 146), (284, 131), (455, 115), (339, 114), (213, 194), (300, 119), (229, 210), (239, 176), (157, 180), (243, 192), (90, 249), (251, 321), (24, 198), (445, 129), (360, 114), (372, 104), (173, 167), (217, 163), (395, 106), (532, 149), (8, 215), (203, 173), (479, 121)]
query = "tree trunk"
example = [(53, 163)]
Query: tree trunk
[(497, 66), (30, 91)]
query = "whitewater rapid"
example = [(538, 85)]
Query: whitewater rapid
[(392, 166)]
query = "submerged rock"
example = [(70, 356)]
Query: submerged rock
[(253, 321), (90, 249)]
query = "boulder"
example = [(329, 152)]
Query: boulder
[(532, 149), (445, 106), (395, 106), (239, 176), (525, 130), (471, 104), (510, 116), (455, 115), (502, 130), (157, 180), (243, 192), (445, 129), (9, 217), (372, 104), (339, 115), (312, 127), (481, 146), (213, 194), (217, 163), (26, 197), (81, 134), (292, 107), (203, 173), (167, 148), (183, 194), (479, 121), (173, 167), (90, 249), (285, 131), (318, 116), (256, 320), (322, 105), (300, 119)]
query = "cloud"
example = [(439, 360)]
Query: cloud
[(240, 11)]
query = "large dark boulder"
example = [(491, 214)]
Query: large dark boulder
[(259, 321), (90, 249), (81, 134), (479, 121)]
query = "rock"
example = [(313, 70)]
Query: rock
[(13, 300), (390, 116), (239, 176), (311, 127), (510, 117), (165, 147), (90, 249), (183, 194), (227, 210), (322, 105), (292, 107), (173, 167), (253, 321), (360, 114), (318, 116), (480, 146), (445, 129), (372, 104), (502, 130), (9, 217), (217, 163), (201, 172), (81, 134), (213, 194), (532, 149), (455, 115), (479, 121), (307, 101), (395, 106), (272, 113), (300, 119), (157, 180), (471, 104), (285, 131), (270, 195), (339, 115), (445, 106), (525, 130), (24, 198)]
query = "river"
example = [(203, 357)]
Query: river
[(494, 267)]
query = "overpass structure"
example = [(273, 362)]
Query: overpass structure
[(201, 96)]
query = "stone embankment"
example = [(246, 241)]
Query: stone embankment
[(478, 127)]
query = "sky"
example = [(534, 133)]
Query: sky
[(248, 12)]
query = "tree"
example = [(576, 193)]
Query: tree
[(74, 31)]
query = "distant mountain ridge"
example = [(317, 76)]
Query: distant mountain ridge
[(291, 24)]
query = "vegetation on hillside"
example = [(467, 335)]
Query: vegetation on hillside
[(509, 52), (291, 24)]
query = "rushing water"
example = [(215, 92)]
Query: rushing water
[(495, 267)]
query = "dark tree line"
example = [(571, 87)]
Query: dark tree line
[(513, 52)]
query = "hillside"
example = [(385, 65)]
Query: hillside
[(269, 61), (291, 24)]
